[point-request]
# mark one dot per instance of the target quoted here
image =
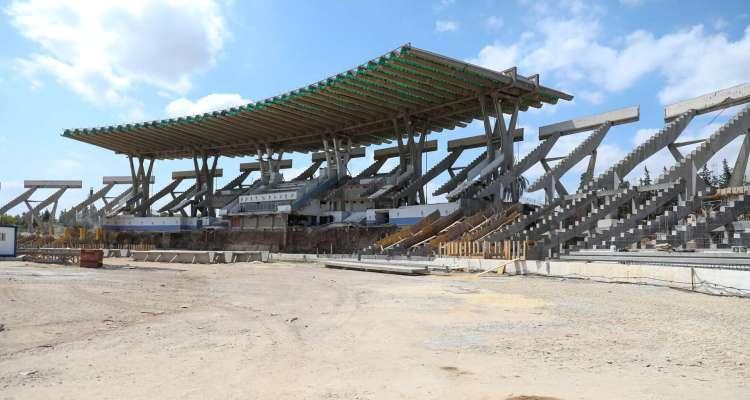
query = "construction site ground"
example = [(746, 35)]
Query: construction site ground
[(300, 331)]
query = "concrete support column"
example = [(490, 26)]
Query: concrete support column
[(204, 182), (691, 182), (402, 150), (675, 153), (589, 174), (414, 157), (141, 179), (488, 131), (740, 165)]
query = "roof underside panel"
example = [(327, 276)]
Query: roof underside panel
[(437, 92)]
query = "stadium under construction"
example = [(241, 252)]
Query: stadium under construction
[(395, 102)]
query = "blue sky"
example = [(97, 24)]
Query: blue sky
[(69, 64)]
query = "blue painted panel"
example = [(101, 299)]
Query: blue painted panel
[(149, 228), (405, 221)]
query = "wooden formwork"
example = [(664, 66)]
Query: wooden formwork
[(506, 249), (403, 233)]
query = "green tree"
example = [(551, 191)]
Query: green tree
[(726, 174), (706, 175), (516, 189), (646, 180), (8, 220)]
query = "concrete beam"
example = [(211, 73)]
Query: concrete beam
[(52, 184), (709, 102), (356, 152), (473, 142), (255, 166), (615, 117), (118, 180), (430, 145), (191, 174)]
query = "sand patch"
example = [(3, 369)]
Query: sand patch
[(467, 294)]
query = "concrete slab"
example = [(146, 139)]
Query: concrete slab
[(371, 267)]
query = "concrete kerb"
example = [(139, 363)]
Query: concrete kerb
[(199, 257), (717, 281), (116, 252), (709, 280)]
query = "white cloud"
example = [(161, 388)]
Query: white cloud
[(494, 23), (443, 4), (446, 26), (102, 49), (595, 97), (12, 184), (720, 24), (68, 166), (631, 3), (498, 57), (574, 54), (213, 102)]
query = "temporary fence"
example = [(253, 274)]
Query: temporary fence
[(99, 245)]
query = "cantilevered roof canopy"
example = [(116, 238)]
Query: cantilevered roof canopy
[(361, 104)]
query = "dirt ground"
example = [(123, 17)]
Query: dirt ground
[(300, 331)]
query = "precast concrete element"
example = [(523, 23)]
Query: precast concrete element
[(110, 202), (639, 212), (474, 142), (586, 148), (700, 229), (569, 127), (198, 257), (372, 169), (190, 174), (357, 152), (390, 152), (717, 100), (392, 182), (688, 167), (456, 179), (523, 222), (256, 166), (436, 170), (39, 205), (121, 180), (613, 176), (374, 267), (535, 156), (589, 221), (478, 174), (18, 200), (192, 195), (48, 184), (309, 172)]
